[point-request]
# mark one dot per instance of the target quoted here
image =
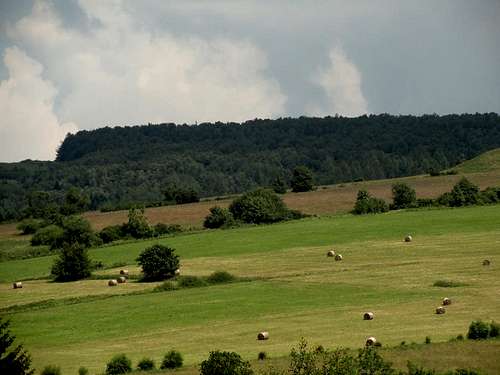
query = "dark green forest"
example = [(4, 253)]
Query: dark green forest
[(122, 166)]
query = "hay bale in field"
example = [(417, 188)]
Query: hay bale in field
[(17, 285), (177, 272), (440, 310), (368, 316), (264, 335), (370, 341), (122, 279), (331, 254), (446, 301), (408, 238), (124, 272), (338, 257), (112, 283), (486, 262)]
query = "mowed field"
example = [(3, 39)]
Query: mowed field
[(293, 291)]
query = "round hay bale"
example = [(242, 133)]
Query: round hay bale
[(408, 238), (338, 257), (264, 335), (17, 285), (440, 310), (124, 272), (177, 272), (370, 341), (112, 282), (486, 262), (331, 254), (368, 316), (122, 279), (446, 301)]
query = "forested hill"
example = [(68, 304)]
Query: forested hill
[(123, 165)]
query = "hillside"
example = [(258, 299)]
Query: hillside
[(122, 166)]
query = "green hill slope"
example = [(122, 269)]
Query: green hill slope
[(486, 162)]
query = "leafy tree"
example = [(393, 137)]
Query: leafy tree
[(73, 264), (75, 201), (137, 225), (464, 193), (173, 193), (111, 233), (51, 235), (403, 196), (225, 363), (158, 262), (119, 364), (218, 217), (13, 361), (173, 359), (77, 230), (302, 179), (279, 185), (259, 206), (366, 204), (30, 226), (478, 330)]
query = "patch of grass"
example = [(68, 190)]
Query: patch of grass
[(448, 284)]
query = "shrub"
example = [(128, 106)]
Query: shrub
[(30, 226), (173, 359), (166, 286), (494, 329), (403, 196), (302, 179), (191, 282), (111, 233), (460, 337), (158, 262), (464, 193), (146, 364), (425, 202), (137, 225), (259, 206), (162, 228), (51, 235), (427, 340), (261, 356), (478, 330), (366, 204), (279, 185), (490, 195), (220, 277), (83, 371), (14, 360), (218, 217), (73, 264), (448, 284), (180, 195), (225, 363), (119, 364), (51, 370)]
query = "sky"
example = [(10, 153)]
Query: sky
[(69, 65)]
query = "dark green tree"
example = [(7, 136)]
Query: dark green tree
[(158, 262), (464, 193), (218, 217), (302, 179), (75, 201), (259, 206), (13, 361), (225, 363), (403, 196), (137, 225), (173, 359), (72, 264), (279, 185), (119, 364), (366, 204), (77, 230)]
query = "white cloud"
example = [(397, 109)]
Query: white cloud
[(341, 82), (28, 126), (119, 73)]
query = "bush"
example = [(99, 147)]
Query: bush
[(478, 330), (425, 202), (51, 370), (173, 359), (261, 356), (166, 286), (158, 262), (119, 364), (51, 235), (494, 329), (191, 282), (15, 361), (73, 264), (427, 340), (279, 185), (111, 233), (464, 193), (137, 225), (162, 228), (220, 277), (259, 206), (218, 217), (83, 371), (146, 364), (302, 179), (225, 363), (30, 226), (490, 195), (448, 284), (366, 204), (403, 196)]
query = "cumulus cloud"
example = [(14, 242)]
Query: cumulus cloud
[(28, 126), (118, 72), (341, 82)]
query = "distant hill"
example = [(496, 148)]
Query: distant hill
[(485, 162), (121, 166)]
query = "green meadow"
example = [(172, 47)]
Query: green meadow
[(292, 290)]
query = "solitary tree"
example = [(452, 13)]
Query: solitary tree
[(73, 264), (403, 196), (259, 206), (158, 262), (14, 361), (302, 179)]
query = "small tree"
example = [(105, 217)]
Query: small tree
[(279, 185), (77, 230), (478, 330), (15, 361), (218, 217), (464, 193), (75, 201), (366, 204), (146, 364), (137, 226), (259, 206), (225, 363), (158, 262), (73, 264), (173, 359), (302, 179), (51, 235), (51, 370), (119, 364), (403, 196)]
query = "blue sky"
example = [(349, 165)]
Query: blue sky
[(82, 64)]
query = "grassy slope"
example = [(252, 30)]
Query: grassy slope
[(301, 293)]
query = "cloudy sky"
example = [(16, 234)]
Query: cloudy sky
[(67, 65)]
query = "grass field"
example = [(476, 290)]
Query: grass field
[(296, 291)]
